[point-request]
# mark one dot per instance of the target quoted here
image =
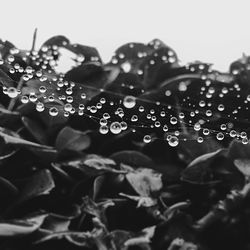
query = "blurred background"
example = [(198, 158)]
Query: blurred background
[(215, 31)]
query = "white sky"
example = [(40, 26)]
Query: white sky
[(214, 31)]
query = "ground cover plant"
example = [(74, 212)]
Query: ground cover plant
[(141, 152)]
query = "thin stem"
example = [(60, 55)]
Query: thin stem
[(34, 40)]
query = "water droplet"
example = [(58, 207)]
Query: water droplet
[(200, 139), (32, 97), (93, 109), (124, 125), (168, 93), (129, 101), (221, 107), (147, 138), (134, 118), (103, 122), (67, 107), (245, 141), (83, 96), (24, 99), (209, 113), (173, 120), (42, 89), (104, 129), (40, 107), (115, 128), (173, 141), (126, 66), (197, 126), (233, 133), (53, 111), (12, 92), (220, 136)]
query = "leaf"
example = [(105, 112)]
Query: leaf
[(85, 72), (181, 244), (7, 117), (13, 138), (141, 201), (237, 150), (127, 79), (65, 235), (89, 53), (5, 47), (156, 44), (144, 181), (56, 223), (243, 166), (133, 158), (189, 149), (93, 165), (7, 188), (6, 150), (159, 66), (53, 122), (71, 139), (143, 238), (41, 183), (199, 170), (5, 80), (21, 227), (97, 210), (129, 56), (119, 237), (57, 40), (36, 130)]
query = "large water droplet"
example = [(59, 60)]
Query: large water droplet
[(53, 111), (129, 101), (173, 141), (12, 92), (115, 128), (104, 129), (147, 138)]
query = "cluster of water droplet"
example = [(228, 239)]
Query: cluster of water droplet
[(130, 112)]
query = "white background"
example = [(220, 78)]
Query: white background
[(215, 31)]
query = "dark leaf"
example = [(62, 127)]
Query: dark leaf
[(71, 139), (21, 227), (133, 158), (41, 183), (243, 166), (5, 80), (199, 171), (94, 165), (13, 138), (36, 130), (144, 181), (57, 40)]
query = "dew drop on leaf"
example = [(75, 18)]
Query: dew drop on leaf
[(129, 101), (173, 141), (40, 107), (53, 111), (115, 128), (103, 129), (147, 138), (12, 92), (220, 136)]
